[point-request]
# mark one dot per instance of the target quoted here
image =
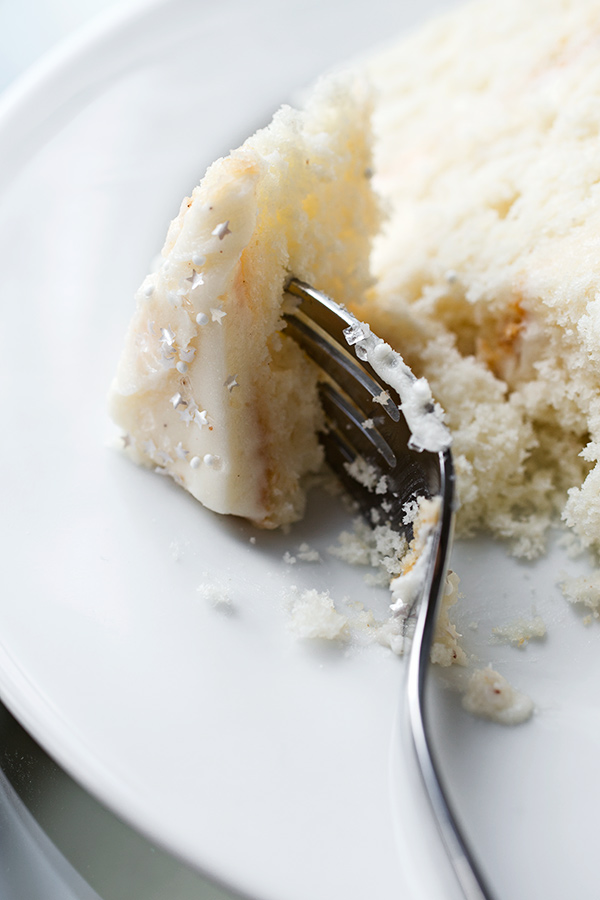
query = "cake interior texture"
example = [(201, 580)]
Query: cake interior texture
[(487, 150)]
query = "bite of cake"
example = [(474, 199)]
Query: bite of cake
[(209, 389)]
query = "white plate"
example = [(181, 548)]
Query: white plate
[(272, 765)]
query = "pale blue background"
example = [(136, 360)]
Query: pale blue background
[(30, 28)]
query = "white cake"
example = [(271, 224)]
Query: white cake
[(487, 153)]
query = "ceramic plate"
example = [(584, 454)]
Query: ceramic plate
[(275, 766)]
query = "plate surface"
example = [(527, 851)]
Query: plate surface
[(275, 766)]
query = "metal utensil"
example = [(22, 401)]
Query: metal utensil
[(365, 423)]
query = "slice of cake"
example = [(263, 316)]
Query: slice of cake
[(486, 150), (209, 390)]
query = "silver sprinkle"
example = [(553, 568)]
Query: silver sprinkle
[(354, 333), (162, 457), (168, 337), (186, 415), (217, 314), (187, 355), (221, 230), (177, 400), (200, 418), (195, 280)]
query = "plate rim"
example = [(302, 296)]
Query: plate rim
[(48, 83)]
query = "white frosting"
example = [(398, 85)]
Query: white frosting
[(408, 587), (423, 415)]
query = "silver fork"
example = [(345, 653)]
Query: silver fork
[(352, 394)]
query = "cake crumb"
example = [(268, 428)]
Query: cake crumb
[(313, 615), (381, 548), (390, 634), (177, 549), (490, 696), (215, 594), (521, 631), (308, 554), (304, 553), (362, 472), (584, 589)]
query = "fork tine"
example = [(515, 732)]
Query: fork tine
[(317, 324), (346, 440), (347, 392), (339, 406)]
